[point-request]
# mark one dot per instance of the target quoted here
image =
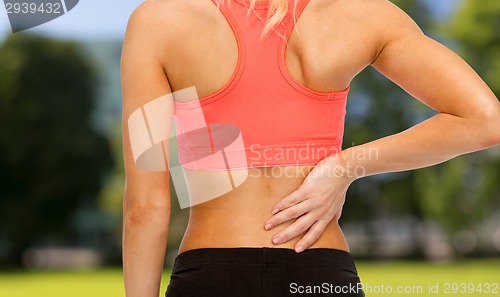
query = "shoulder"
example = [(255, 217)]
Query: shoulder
[(377, 22), (381, 15), (151, 27), (168, 19), (168, 11), (152, 13), (384, 11), (369, 14)]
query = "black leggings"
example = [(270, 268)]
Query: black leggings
[(263, 272)]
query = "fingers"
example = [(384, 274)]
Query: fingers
[(311, 236), (299, 226), (291, 213), (296, 197)]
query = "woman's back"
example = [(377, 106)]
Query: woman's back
[(202, 51)]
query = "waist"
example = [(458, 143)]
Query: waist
[(237, 219), (238, 234)]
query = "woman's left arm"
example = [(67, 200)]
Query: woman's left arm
[(468, 121)]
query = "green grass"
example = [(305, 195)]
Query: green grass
[(422, 274), (108, 282)]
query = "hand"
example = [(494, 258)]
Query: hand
[(317, 201)]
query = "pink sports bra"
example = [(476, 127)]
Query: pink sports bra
[(263, 116)]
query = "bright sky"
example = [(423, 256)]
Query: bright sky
[(89, 19), (92, 19)]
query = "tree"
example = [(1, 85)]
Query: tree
[(476, 27), (52, 160)]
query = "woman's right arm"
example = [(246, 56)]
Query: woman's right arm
[(146, 199)]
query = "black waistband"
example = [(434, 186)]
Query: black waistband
[(263, 256)]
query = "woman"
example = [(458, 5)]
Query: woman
[(277, 233)]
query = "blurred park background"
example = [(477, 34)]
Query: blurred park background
[(61, 169)]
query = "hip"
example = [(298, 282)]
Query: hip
[(247, 271)]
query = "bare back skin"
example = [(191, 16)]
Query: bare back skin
[(332, 48)]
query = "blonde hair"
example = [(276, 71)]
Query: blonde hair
[(277, 10)]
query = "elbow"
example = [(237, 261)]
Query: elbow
[(147, 217), (491, 129), (495, 138), (147, 210), (151, 207)]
